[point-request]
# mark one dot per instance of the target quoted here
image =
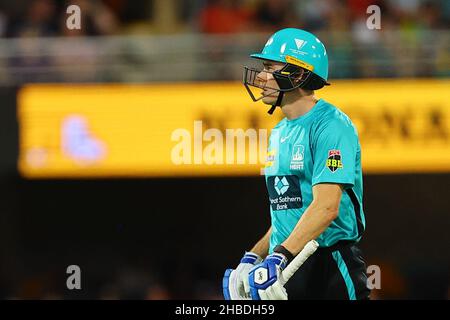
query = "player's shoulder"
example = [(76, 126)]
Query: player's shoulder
[(332, 118)]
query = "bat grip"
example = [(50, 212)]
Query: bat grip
[(299, 259)]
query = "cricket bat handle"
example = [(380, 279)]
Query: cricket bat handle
[(299, 259)]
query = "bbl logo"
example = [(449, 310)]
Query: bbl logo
[(334, 160)]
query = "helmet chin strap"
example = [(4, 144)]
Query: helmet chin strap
[(277, 103)]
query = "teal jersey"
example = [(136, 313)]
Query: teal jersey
[(322, 146)]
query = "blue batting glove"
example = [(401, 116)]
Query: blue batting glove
[(265, 278), (235, 281)]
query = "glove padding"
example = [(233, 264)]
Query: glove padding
[(266, 279), (235, 281)]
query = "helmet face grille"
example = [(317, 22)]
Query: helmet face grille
[(288, 78)]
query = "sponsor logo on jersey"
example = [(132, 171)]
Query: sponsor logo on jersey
[(284, 192), (281, 185), (270, 158), (334, 160)]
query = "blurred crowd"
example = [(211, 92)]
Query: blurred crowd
[(413, 40), (105, 17)]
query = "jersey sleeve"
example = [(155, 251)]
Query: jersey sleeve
[(335, 148)]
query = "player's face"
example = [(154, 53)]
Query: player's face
[(266, 78)]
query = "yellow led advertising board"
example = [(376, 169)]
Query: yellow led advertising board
[(202, 129)]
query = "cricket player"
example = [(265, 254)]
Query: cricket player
[(314, 182)]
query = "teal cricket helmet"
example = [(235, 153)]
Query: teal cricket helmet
[(297, 47), (305, 64)]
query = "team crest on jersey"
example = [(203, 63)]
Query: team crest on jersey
[(297, 158), (334, 161)]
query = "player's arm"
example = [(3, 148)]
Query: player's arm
[(318, 216)]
